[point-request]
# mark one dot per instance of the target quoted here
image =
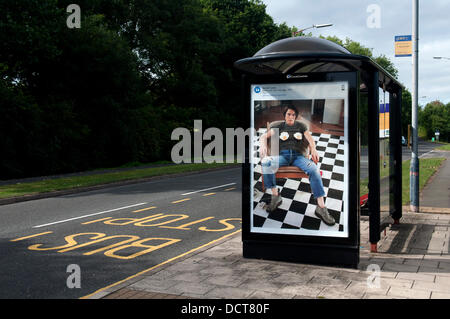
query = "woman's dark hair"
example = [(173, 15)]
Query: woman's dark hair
[(290, 107)]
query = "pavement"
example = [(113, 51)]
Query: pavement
[(412, 261), (437, 192)]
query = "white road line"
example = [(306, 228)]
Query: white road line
[(425, 153), (84, 216), (207, 189)]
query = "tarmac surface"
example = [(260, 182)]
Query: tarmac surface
[(412, 261)]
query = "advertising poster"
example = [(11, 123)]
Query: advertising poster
[(299, 171)]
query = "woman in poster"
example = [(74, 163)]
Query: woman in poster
[(295, 144)]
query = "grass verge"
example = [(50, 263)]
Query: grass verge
[(44, 186), (427, 167), (445, 147)]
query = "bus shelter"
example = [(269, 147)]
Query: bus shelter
[(320, 148)]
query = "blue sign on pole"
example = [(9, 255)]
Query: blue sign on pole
[(403, 38)]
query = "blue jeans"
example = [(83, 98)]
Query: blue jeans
[(271, 164)]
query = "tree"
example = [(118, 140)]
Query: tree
[(28, 38), (245, 29), (29, 32), (359, 49), (387, 64), (113, 91), (435, 116), (71, 99), (406, 111), (20, 128)]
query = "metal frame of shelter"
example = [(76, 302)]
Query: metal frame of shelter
[(307, 59)]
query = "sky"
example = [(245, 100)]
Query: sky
[(374, 24)]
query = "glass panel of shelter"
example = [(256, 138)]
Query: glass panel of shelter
[(386, 161), (364, 150), (385, 158)]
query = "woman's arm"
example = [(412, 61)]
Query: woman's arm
[(263, 143), (312, 146)]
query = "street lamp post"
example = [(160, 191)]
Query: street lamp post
[(313, 26), (414, 167)]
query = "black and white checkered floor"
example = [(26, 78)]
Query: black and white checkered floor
[(298, 206)]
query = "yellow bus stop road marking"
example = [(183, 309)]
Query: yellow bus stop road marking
[(143, 209), (161, 264), (181, 200), (209, 194), (31, 236), (95, 221)]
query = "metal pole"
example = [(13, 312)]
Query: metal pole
[(414, 169)]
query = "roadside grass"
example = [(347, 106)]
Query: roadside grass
[(363, 185), (49, 185), (445, 147), (427, 167)]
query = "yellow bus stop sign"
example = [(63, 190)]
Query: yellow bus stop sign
[(403, 45)]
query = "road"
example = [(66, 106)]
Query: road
[(424, 147), (113, 233)]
